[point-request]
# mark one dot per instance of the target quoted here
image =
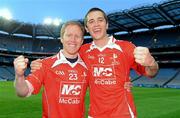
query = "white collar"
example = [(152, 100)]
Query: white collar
[(62, 59), (111, 44)]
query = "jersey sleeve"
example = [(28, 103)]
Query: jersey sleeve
[(36, 79), (129, 51)]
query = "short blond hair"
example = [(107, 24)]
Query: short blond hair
[(72, 23)]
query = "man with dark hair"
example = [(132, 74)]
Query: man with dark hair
[(109, 62)]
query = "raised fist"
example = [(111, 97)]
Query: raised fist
[(20, 65), (143, 56)]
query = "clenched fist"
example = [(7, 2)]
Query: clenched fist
[(143, 56), (20, 65)]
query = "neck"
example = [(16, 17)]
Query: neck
[(101, 42), (72, 60), (70, 56)]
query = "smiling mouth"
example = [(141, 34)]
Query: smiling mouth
[(72, 45), (97, 30)]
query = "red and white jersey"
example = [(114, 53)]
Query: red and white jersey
[(64, 87), (109, 69)]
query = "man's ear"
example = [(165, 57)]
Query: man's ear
[(82, 41), (61, 40), (86, 29), (107, 26)]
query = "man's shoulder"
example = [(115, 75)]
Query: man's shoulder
[(49, 60), (86, 45), (125, 43)]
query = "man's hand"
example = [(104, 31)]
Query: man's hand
[(143, 56), (35, 65), (128, 86), (20, 65)]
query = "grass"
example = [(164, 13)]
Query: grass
[(12, 106), (150, 103), (157, 102)]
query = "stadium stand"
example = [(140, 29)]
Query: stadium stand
[(156, 26), (6, 73), (175, 83), (154, 39), (28, 45), (164, 75), (46, 46)]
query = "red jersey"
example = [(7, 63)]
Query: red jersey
[(109, 69), (64, 85)]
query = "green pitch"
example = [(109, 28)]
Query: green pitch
[(150, 103)]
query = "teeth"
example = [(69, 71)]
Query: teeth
[(96, 30), (72, 45)]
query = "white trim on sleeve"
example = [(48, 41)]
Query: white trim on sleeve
[(30, 87)]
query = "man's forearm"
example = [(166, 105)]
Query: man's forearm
[(152, 70), (21, 86)]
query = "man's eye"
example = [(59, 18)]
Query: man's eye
[(91, 21), (100, 20), (68, 35)]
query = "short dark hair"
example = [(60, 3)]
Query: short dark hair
[(95, 9)]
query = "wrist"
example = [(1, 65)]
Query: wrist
[(19, 77), (153, 62), (154, 65)]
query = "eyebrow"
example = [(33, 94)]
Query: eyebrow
[(97, 18)]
